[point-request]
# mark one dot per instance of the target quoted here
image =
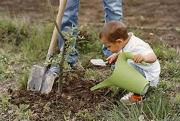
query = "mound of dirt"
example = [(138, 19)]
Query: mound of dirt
[(75, 98)]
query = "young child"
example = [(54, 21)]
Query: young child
[(115, 37)]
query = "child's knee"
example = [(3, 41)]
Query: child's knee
[(140, 70)]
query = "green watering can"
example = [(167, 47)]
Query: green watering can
[(125, 77)]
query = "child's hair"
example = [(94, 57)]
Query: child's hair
[(114, 30)]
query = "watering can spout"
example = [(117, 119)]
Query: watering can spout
[(103, 84)]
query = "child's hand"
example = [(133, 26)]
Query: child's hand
[(138, 58), (112, 59)]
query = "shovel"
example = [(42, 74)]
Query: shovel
[(99, 62), (41, 79)]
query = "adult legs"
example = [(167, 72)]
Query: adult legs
[(113, 11), (70, 20)]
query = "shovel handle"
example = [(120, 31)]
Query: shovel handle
[(54, 42)]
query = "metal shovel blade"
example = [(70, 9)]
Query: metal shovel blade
[(98, 62), (48, 82), (36, 78)]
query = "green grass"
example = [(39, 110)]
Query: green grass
[(88, 40), (36, 46), (13, 31), (12, 112), (170, 61), (8, 62), (157, 107)]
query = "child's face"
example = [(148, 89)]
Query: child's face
[(113, 46)]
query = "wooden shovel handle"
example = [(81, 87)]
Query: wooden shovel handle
[(54, 42)]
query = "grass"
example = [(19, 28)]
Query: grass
[(13, 31), (157, 107), (35, 48), (12, 112), (25, 44), (8, 63)]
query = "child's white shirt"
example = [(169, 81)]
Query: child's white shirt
[(137, 46)]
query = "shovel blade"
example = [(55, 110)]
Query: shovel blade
[(98, 62), (48, 82), (36, 78)]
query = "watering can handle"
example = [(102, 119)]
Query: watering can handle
[(129, 55)]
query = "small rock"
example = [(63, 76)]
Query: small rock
[(10, 111), (141, 118), (151, 34)]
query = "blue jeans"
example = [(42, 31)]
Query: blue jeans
[(140, 70), (113, 11)]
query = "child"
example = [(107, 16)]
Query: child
[(115, 37)]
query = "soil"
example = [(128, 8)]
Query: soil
[(159, 20), (155, 20), (74, 99)]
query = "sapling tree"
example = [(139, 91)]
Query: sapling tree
[(69, 45)]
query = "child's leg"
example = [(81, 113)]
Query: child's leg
[(140, 70), (131, 98)]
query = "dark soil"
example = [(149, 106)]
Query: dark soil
[(74, 98), (157, 20)]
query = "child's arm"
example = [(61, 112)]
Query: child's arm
[(149, 58), (111, 59)]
